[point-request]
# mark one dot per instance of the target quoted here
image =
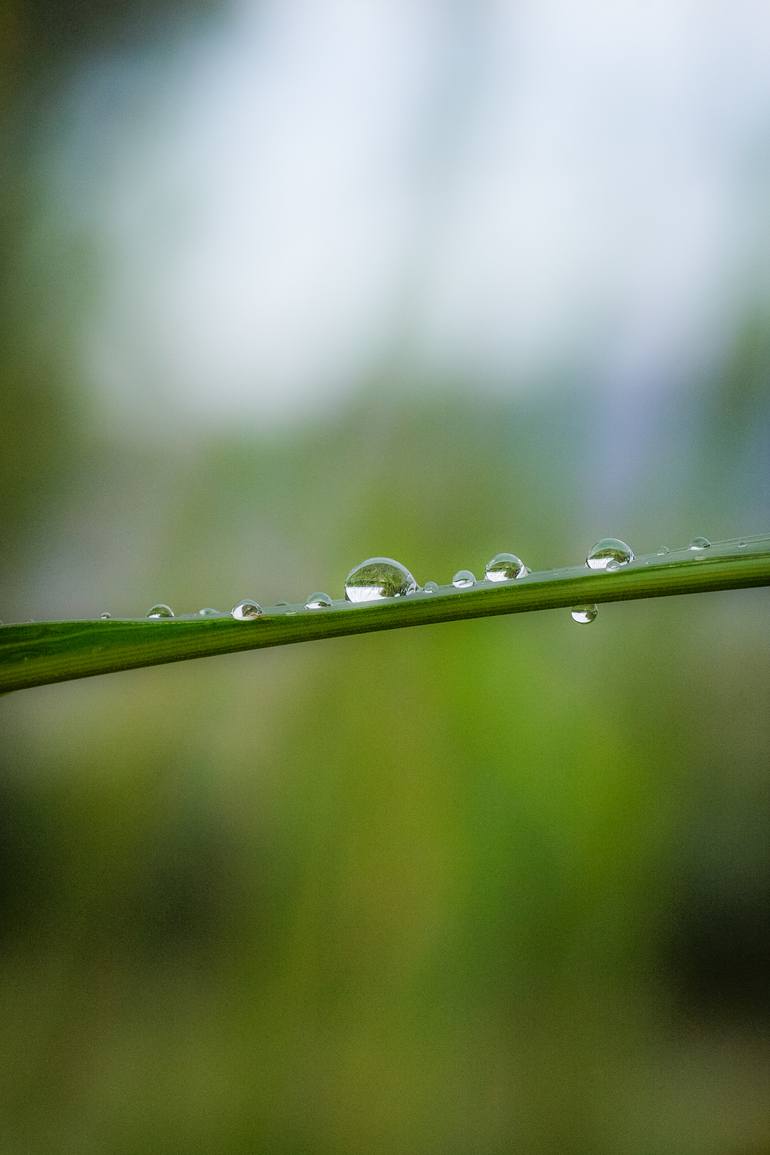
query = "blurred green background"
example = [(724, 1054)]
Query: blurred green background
[(289, 285)]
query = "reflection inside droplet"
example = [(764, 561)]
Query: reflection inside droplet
[(378, 578), (584, 615), (609, 552), (246, 610), (505, 567), (318, 601)]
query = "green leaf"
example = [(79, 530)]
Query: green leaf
[(36, 653)]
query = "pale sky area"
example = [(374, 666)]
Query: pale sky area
[(293, 194)]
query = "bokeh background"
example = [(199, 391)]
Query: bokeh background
[(288, 284)]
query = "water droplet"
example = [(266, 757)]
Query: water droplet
[(246, 610), (281, 604), (700, 543), (377, 578), (430, 588), (505, 567), (463, 579), (609, 549), (318, 602), (208, 612), (160, 611), (584, 615), (663, 550), (105, 615), (742, 544)]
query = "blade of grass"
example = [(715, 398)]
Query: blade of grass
[(37, 653)]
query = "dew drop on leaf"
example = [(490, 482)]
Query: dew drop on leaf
[(160, 611), (608, 550), (699, 543), (378, 578), (504, 567), (318, 601), (463, 579), (246, 610), (584, 615), (430, 588)]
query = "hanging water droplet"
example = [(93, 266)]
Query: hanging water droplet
[(246, 610), (377, 578), (609, 549), (584, 615), (430, 588), (160, 611), (105, 615), (463, 579), (208, 612), (318, 602), (700, 543), (505, 567)]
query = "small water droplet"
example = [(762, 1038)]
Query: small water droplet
[(281, 604), (105, 615), (160, 611), (463, 579), (246, 610), (584, 615), (378, 578), (505, 567), (609, 549), (742, 544), (700, 543), (663, 550), (430, 588), (208, 612), (318, 602)]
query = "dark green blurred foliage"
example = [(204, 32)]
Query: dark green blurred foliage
[(486, 887)]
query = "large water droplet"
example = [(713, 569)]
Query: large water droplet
[(246, 610), (505, 567), (318, 602), (160, 611), (700, 543), (430, 588), (377, 578), (609, 549), (208, 612), (463, 579), (584, 615), (105, 615)]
